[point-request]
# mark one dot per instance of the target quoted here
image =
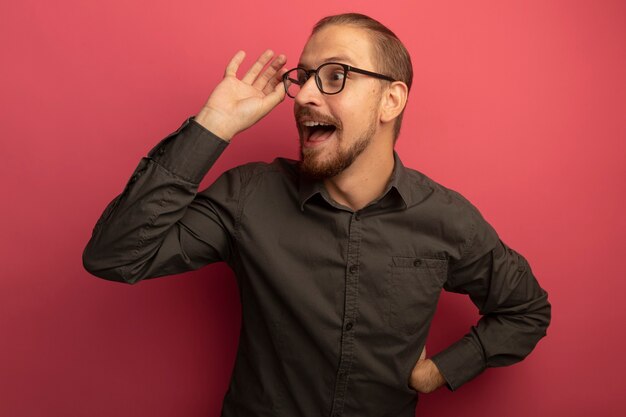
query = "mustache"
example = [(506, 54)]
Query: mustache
[(313, 114)]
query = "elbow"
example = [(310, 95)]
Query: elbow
[(98, 267), (544, 313), (539, 316), (537, 321)]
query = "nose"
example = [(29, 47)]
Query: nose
[(309, 93)]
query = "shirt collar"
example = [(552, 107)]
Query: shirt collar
[(399, 181)]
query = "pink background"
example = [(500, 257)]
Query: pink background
[(518, 105)]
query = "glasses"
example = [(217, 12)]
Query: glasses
[(330, 78)]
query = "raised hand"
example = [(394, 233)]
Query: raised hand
[(236, 104)]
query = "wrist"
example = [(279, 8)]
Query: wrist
[(212, 121), (436, 375)]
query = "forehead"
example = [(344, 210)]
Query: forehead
[(343, 43)]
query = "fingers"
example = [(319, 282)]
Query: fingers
[(274, 81), (256, 68), (233, 65), (267, 80), (273, 98), (269, 72)]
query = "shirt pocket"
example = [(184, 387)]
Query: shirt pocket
[(412, 289)]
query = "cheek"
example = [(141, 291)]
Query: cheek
[(357, 110), (347, 115)]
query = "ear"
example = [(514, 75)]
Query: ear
[(393, 101)]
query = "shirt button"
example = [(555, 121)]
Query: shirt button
[(357, 217), (417, 262), (353, 269), (349, 326)]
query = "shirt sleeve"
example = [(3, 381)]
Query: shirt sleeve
[(159, 224), (515, 311)]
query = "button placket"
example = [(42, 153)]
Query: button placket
[(350, 315)]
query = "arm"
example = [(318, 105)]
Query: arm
[(515, 309), (159, 225), (142, 233)]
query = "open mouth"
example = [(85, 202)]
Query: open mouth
[(317, 131)]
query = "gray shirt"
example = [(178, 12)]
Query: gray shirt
[(336, 303)]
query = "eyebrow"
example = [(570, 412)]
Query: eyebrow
[(338, 58)]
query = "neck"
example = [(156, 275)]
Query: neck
[(365, 179)]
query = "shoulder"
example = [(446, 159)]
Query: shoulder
[(254, 176), (452, 212), (439, 195), (259, 170)]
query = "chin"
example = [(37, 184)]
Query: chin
[(315, 169)]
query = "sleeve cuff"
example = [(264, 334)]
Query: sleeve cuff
[(189, 152), (460, 362)]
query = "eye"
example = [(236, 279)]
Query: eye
[(332, 75), (337, 75)]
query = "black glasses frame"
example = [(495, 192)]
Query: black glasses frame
[(346, 68)]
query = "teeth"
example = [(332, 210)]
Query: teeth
[(312, 123)]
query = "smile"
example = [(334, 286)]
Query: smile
[(315, 132)]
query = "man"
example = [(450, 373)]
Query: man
[(340, 257)]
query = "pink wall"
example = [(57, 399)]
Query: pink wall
[(519, 105)]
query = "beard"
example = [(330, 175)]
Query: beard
[(338, 161)]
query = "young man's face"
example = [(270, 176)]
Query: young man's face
[(353, 112)]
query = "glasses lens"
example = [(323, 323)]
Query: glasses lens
[(295, 78), (332, 77)]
